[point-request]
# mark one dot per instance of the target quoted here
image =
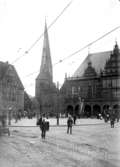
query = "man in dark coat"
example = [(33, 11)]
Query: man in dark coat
[(112, 118), (74, 117), (43, 129), (39, 121), (69, 124)]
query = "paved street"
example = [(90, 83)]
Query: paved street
[(89, 146)]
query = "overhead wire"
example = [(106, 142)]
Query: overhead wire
[(53, 22), (86, 46), (81, 49)]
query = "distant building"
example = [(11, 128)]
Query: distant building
[(11, 90), (46, 91), (95, 86)]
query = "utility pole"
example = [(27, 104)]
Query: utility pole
[(9, 115), (58, 104)]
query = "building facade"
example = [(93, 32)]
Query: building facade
[(95, 86), (45, 90), (11, 90)]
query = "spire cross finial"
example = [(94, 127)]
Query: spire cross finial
[(115, 40)]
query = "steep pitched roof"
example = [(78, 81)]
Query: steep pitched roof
[(3, 69), (17, 77), (6, 68), (46, 63), (98, 61)]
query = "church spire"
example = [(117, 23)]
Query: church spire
[(46, 63)]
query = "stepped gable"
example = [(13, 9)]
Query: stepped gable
[(112, 66), (98, 61)]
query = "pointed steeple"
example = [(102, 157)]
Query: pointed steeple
[(116, 48), (46, 63)]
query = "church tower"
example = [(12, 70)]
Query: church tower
[(46, 72), (45, 90)]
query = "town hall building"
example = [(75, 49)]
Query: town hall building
[(95, 85)]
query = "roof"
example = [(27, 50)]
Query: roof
[(3, 69), (98, 61)]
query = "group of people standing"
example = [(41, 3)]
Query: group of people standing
[(111, 115), (108, 116), (44, 126)]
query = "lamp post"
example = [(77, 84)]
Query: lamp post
[(9, 116), (57, 109)]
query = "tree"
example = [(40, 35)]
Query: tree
[(27, 103)]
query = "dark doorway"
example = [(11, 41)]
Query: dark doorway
[(70, 110), (96, 110), (77, 110), (116, 106), (105, 107), (87, 111)]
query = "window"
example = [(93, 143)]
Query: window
[(79, 89), (104, 84), (118, 82), (74, 90), (109, 83), (114, 83)]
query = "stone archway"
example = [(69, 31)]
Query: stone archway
[(116, 106), (87, 110), (116, 110), (70, 110), (96, 110), (105, 107), (105, 110)]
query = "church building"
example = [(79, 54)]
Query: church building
[(46, 91)]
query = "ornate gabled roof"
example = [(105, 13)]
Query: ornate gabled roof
[(46, 63), (89, 71), (112, 65), (105, 62), (98, 61)]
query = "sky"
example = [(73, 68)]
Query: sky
[(22, 23)]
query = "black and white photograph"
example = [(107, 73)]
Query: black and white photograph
[(60, 83)]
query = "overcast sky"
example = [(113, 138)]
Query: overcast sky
[(22, 23)]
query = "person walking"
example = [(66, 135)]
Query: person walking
[(69, 124), (112, 118), (43, 129), (74, 117)]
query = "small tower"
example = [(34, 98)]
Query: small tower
[(89, 71)]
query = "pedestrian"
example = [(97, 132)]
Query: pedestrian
[(69, 124), (74, 117), (117, 115), (112, 119), (39, 121), (43, 129)]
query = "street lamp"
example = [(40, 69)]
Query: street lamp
[(57, 109), (9, 116)]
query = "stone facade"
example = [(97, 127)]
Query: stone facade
[(95, 86), (11, 90)]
